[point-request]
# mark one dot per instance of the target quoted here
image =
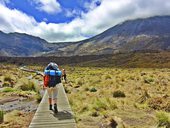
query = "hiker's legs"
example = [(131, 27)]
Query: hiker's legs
[(55, 93), (49, 91)]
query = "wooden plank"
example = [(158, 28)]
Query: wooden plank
[(68, 125), (45, 118)]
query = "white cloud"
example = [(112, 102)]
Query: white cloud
[(12, 20), (48, 6), (72, 13), (96, 20)]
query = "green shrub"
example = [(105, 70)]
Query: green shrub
[(118, 93), (8, 89), (163, 119), (93, 90)]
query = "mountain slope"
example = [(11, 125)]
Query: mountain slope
[(141, 34)]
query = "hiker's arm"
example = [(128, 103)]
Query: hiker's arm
[(40, 73)]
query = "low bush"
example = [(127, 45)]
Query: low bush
[(118, 93)]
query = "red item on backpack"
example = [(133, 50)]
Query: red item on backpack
[(46, 80)]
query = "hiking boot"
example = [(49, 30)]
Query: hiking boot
[(50, 107), (55, 108)]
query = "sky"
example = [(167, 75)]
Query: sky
[(73, 20)]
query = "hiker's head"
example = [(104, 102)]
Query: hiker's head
[(52, 66)]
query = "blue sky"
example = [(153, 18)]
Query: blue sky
[(73, 20), (66, 6)]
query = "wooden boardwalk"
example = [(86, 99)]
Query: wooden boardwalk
[(44, 118)]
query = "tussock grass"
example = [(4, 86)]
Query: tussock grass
[(138, 88), (163, 119), (26, 85), (16, 119)]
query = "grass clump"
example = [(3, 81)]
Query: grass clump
[(159, 103), (148, 80), (38, 98), (6, 84), (118, 93), (99, 104), (26, 85), (7, 78), (79, 82), (104, 104), (163, 119), (95, 114), (108, 77)]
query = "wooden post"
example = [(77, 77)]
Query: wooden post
[(1, 116)]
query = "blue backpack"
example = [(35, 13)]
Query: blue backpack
[(52, 77)]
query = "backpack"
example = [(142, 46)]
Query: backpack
[(52, 77)]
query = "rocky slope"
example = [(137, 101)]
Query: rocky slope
[(135, 35)]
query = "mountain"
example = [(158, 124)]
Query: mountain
[(134, 35), (151, 34), (16, 44)]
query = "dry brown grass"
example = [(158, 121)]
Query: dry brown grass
[(16, 83), (17, 119)]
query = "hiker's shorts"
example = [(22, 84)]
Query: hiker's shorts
[(53, 91)]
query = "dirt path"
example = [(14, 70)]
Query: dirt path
[(10, 99)]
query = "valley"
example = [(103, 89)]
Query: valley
[(126, 90)]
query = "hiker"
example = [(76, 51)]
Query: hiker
[(52, 80), (64, 75)]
